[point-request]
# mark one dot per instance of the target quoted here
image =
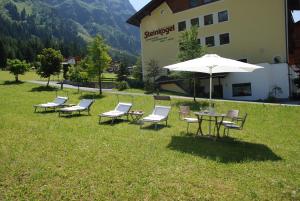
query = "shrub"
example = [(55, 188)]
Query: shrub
[(122, 85), (149, 87)]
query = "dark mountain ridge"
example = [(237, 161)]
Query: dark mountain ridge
[(27, 26)]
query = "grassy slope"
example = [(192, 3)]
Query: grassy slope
[(45, 157)]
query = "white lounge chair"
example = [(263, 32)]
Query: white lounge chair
[(160, 113), (57, 103), (83, 105), (122, 109)]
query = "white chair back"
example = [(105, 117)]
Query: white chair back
[(123, 107), (161, 110), (60, 100), (233, 114), (85, 103)]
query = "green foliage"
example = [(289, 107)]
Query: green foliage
[(29, 26), (297, 82), (122, 85), (138, 70), (76, 74), (50, 60), (98, 58), (17, 67), (188, 45), (153, 70), (122, 74)]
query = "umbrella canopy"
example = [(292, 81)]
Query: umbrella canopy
[(212, 63)]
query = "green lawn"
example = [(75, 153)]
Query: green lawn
[(44, 157), (31, 75)]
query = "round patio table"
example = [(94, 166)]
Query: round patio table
[(211, 117)]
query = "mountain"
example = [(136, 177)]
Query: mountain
[(27, 26)]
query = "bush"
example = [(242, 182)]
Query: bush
[(134, 83), (122, 85), (149, 87)]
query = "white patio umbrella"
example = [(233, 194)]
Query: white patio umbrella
[(211, 64)]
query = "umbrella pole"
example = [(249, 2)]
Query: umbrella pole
[(210, 87), (194, 87)]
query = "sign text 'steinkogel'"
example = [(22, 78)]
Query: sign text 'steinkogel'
[(161, 31)]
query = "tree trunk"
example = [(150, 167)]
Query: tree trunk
[(17, 78), (100, 83), (48, 81)]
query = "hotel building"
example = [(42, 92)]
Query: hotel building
[(261, 32)]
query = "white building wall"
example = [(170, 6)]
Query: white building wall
[(262, 82)]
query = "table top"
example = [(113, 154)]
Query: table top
[(210, 114), (137, 112)]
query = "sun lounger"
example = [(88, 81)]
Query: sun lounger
[(159, 114), (83, 105), (121, 110), (57, 103)]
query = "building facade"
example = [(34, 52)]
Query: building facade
[(253, 31)]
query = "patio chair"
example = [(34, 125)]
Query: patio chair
[(235, 126), (184, 115), (83, 105), (231, 117), (57, 103), (121, 110), (159, 114)]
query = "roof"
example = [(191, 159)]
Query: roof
[(146, 10)]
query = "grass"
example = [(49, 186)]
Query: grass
[(44, 157), (31, 75)]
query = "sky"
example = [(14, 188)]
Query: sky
[(138, 4)]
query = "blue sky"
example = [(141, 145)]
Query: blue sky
[(138, 4)]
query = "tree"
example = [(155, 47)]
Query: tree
[(3, 55), (17, 67), (50, 63), (138, 70), (99, 58), (189, 47), (153, 70), (123, 71)]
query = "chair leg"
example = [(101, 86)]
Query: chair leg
[(187, 128), (99, 119)]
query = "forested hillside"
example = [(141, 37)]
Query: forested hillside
[(27, 26)]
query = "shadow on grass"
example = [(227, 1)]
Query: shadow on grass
[(43, 88), (69, 116), (152, 127), (109, 122), (91, 96), (195, 106), (225, 150), (12, 83)]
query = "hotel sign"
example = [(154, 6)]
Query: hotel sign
[(159, 34)]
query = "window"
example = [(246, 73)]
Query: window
[(194, 3), (195, 22), (198, 41), (181, 26), (243, 60), (224, 39), (223, 16), (210, 41), (243, 89), (208, 19)]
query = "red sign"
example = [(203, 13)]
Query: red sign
[(160, 31)]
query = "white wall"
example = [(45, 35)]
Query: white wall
[(262, 82)]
